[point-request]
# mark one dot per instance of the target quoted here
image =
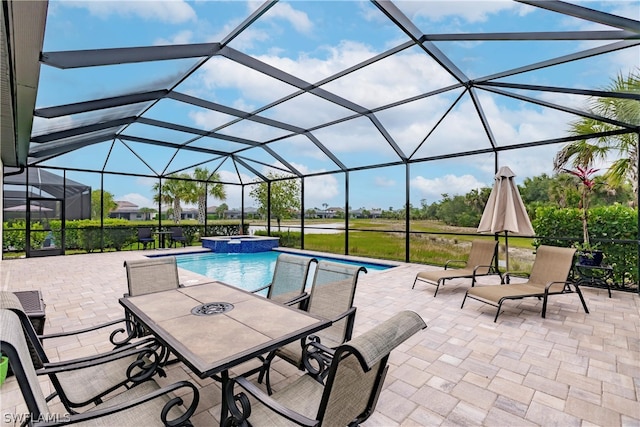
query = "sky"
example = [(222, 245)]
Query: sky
[(314, 40)]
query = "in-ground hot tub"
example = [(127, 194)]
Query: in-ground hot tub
[(240, 244)]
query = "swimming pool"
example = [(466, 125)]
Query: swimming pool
[(245, 270)]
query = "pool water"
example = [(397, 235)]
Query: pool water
[(244, 270)]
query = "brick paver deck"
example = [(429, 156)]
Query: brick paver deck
[(571, 368)]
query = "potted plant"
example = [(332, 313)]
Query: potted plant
[(588, 254), (4, 368)]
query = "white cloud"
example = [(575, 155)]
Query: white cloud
[(170, 11), (299, 20), (458, 10), (181, 37), (451, 184), (384, 182)]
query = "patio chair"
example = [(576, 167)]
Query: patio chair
[(150, 275), (331, 297), (479, 263), (76, 381), (549, 276), (289, 278), (341, 389), (146, 404), (177, 236), (145, 237)]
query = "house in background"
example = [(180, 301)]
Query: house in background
[(127, 210)]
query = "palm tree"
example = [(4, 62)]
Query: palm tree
[(207, 181), (586, 152), (173, 192)]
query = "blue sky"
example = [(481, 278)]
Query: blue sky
[(314, 40)]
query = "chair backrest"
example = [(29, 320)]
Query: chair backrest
[(144, 233), (552, 264), (14, 346), (358, 370), (152, 275), (289, 277), (176, 232), (9, 301), (482, 253), (332, 293)]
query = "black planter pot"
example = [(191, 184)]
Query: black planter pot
[(593, 258)]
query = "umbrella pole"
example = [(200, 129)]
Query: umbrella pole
[(506, 248)]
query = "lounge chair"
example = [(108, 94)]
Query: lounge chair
[(479, 263), (549, 276), (145, 237), (289, 278), (76, 381), (354, 373), (331, 297), (145, 404), (177, 236)]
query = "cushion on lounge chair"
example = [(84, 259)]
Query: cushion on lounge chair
[(479, 263), (549, 276)]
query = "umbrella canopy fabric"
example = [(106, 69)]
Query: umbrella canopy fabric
[(505, 211)]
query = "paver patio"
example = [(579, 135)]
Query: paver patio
[(571, 368)]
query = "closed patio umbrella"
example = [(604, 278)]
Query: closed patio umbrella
[(505, 211)]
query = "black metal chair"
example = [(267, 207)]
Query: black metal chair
[(77, 382), (145, 404), (177, 236), (145, 237), (331, 297), (340, 388)]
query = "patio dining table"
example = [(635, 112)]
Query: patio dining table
[(213, 327)]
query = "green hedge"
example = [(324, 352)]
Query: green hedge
[(563, 227), (87, 235)]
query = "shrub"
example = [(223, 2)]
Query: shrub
[(608, 225)]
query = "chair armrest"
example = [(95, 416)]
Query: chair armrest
[(129, 332), (147, 362), (564, 285), (261, 289), (81, 331), (297, 300), (351, 318), (506, 277), (173, 402), (238, 415), (490, 267), (451, 261), (96, 358), (302, 299)]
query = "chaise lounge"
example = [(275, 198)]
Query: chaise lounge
[(549, 276), (479, 263)]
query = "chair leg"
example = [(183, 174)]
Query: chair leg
[(414, 282), (437, 287), (544, 306), (584, 304), (464, 299), (495, 319)]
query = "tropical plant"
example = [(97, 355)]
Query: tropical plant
[(285, 196), (173, 192), (207, 183), (589, 151), (586, 187)]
